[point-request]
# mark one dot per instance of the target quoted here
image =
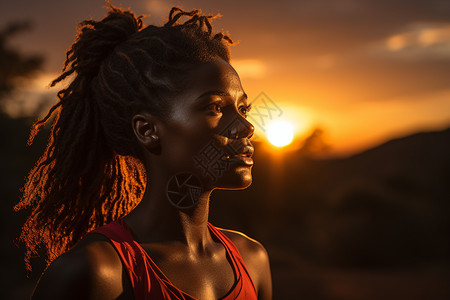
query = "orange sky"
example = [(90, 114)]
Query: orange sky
[(362, 70)]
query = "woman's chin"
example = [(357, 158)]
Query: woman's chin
[(237, 180)]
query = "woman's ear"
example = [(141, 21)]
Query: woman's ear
[(145, 130)]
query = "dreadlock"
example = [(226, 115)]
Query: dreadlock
[(91, 172)]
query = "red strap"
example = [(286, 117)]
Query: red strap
[(147, 279)]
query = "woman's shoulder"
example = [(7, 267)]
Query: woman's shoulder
[(256, 260), (91, 269), (253, 252), (246, 245)]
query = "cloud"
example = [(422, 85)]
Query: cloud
[(422, 40), (34, 97), (310, 28), (157, 9), (249, 68), (436, 35)]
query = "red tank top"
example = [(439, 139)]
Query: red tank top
[(150, 283)]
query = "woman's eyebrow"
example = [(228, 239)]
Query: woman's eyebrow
[(214, 92), (220, 93)]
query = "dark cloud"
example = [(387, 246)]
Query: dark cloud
[(350, 32), (54, 25), (322, 26), (288, 32)]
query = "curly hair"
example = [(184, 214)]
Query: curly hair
[(91, 171)]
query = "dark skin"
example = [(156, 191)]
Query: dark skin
[(178, 241)]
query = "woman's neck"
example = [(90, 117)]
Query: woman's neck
[(156, 220)]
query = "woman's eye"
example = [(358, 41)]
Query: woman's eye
[(245, 110), (215, 107)]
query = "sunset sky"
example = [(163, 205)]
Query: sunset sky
[(364, 71)]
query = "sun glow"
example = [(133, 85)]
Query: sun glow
[(280, 133)]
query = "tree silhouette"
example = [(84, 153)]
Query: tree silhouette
[(16, 159), (315, 143), (13, 64)]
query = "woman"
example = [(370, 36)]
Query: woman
[(155, 116)]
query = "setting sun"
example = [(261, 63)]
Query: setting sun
[(280, 133)]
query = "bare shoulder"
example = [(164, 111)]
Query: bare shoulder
[(256, 260), (250, 249), (91, 269)]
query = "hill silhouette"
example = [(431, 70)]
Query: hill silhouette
[(381, 210)]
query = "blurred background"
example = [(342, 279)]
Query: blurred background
[(351, 105)]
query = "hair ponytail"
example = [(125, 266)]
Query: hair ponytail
[(96, 40), (79, 183)]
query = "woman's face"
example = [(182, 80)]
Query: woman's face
[(207, 133)]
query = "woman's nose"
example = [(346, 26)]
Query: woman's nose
[(239, 128)]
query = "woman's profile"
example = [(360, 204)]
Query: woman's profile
[(151, 121)]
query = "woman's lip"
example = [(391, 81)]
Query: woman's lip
[(241, 159)]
